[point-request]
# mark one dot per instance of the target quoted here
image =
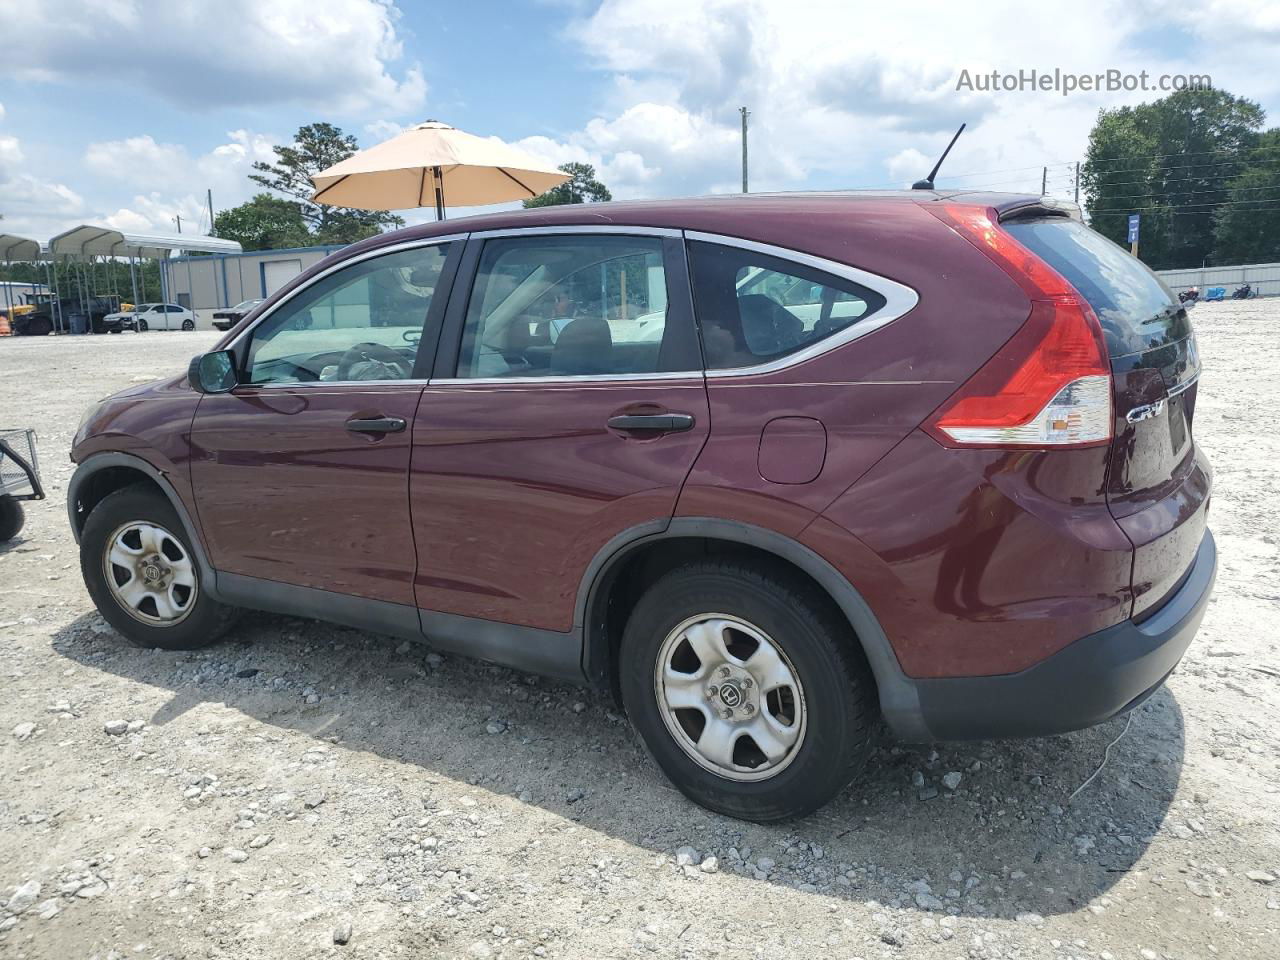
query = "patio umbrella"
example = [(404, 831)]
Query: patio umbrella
[(430, 162)]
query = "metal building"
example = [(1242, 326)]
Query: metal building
[(208, 283)]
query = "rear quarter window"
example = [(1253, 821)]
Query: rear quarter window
[(1137, 311), (753, 308)]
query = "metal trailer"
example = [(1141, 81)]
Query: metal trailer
[(19, 479)]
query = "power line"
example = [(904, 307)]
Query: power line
[(1171, 207), (1202, 153), (1190, 193)]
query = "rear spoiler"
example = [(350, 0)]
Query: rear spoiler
[(1039, 207)]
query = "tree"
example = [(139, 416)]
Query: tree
[(316, 147), (581, 187), (1247, 230), (264, 223), (1170, 161)]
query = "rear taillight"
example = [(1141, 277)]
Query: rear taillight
[(1050, 384)]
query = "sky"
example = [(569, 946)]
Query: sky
[(124, 112)]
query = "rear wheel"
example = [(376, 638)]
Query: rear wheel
[(188, 325), (748, 690), (11, 517), (143, 576)]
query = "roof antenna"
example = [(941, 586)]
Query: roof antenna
[(927, 182)]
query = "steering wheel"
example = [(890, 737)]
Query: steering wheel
[(369, 352)]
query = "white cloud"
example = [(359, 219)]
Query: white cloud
[(31, 205), (335, 54), (170, 181), (846, 94)]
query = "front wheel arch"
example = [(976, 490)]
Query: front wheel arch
[(104, 473)]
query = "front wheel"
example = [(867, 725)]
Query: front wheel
[(137, 562), (141, 326), (748, 688)]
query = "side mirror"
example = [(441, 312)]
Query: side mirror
[(213, 372)]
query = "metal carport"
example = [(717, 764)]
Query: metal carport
[(87, 241)]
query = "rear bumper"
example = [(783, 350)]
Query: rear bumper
[(1091, 680)]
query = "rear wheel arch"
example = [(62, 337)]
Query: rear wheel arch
[(103, 474), (628, 564)]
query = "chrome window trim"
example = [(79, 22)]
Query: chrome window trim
[(899, 300), (571, 378), (342, 265), (570, 229)]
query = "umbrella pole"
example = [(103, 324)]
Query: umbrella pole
[(438, 179)]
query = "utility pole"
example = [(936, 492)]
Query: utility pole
[(178, 220), (1077, 181), (1044, 179), (745, 113), (209, 196)]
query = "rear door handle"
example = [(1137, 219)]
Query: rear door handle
[(665, 422), (376, 424)]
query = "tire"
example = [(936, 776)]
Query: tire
[(188, 325), (140, 326), (833, 703), (198, 619), (12, 517)]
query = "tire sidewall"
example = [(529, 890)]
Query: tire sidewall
[(823, 765), (207, 618), (12, 517)]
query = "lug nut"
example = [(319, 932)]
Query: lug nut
[(711, 692), (746, 681), (725, 671), (727, 713), (748, 708)]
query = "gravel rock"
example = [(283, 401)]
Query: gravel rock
[(765, 864), (24, 730), (204, 852), (236, 855), (342, 933), (686, 856), (24, 897), (952, 780), (115, 728), (260, 841), (313, 799), (96, 887), (48, 909), (1261, 876), (709, 865)]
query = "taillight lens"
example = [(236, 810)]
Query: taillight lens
[(1050, 385)]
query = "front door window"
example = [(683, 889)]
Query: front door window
[(361, 323)]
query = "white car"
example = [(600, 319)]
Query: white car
[(156, 316)]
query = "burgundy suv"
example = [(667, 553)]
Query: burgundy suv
[(767, 468)]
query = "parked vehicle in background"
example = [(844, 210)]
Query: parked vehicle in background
[(228, 318), (915, 455), (74, 314), (1244, 292), (163, 316), (1189, 296)]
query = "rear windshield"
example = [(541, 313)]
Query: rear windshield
[(1136, 309)]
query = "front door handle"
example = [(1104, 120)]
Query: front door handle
[(664, 422), (376, 424)]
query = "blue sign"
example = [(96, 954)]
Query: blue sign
[(1133, 227)]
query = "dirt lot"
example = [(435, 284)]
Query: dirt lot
[(301, 783)]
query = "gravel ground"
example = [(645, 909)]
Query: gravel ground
[(305, 790)]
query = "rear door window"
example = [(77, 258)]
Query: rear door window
[(753, 308), (564, 305), (1137, 311)]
